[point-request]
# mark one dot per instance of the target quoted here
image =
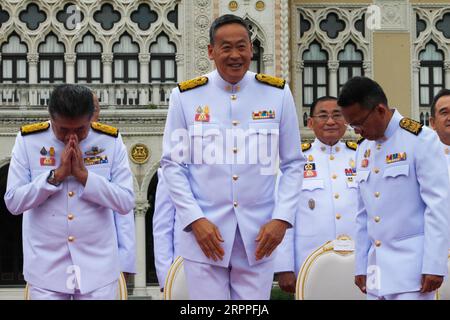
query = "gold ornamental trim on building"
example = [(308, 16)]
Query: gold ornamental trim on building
[(260, 5), (140, 153), (233, 5)]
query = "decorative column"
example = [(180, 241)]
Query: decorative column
[(447, 72), (140, 281), (70, 59), (33, 60), (144, 60), (284, 20), (367, 67), (179, 60), (333, 67), (415, 110), (297, 91), (268, 60), (107, 59)]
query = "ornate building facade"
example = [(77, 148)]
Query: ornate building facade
[(133, 52)]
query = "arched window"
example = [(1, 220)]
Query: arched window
[(126, 60), (315, 74), (256, 63), (162, 60), (431, 76), (13, 63), (51, 61), (89, 61), (350, 64)]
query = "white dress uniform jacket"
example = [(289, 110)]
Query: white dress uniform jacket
[(402, 222), (126, 238), (68, 230), (231, 190), (165, 231), (327, 203)]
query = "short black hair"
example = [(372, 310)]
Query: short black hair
[(364, 91), (71, 101), (224, 20), (316, 102), (440, 94)]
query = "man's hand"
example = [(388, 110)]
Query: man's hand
[(209, 238), (65, 168), (431, 283), (79, 171), (360, 282), (287, 281), (269, 237)]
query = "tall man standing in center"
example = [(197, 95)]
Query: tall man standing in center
[(223, 134)]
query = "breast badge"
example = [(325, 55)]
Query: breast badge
[(310, 170), (48, 157), (202, 114)]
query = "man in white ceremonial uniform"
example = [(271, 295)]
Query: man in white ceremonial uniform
[(125, 226), (328, 196), (165, 231), (402, 222), (440, 120), (67, 176), (223, 134)]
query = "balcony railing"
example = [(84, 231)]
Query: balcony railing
[(114, 95)]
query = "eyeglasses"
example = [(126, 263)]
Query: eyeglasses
[(324, 117), (359, 126)]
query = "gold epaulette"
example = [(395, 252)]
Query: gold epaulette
[(271, 81), (34, 128), (306, 146), (351, 145), (411, 125), (104, 128), (192, 84), (361, 139)]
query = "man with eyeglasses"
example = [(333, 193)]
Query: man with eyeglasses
[(402, 221), (328, 195)]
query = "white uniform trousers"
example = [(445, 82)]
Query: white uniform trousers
[(108, 292), (416, 295), (239, 281)]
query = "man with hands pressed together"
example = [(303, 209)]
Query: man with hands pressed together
[(67, 176)]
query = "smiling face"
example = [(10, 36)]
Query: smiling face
[(231, 51), (441, 120), (328, 123)]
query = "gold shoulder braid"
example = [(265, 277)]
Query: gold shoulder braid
[(193, 83), (34, 128), (411, 125), (351, 145), (306, 146), (104, 128), (271, 81)]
